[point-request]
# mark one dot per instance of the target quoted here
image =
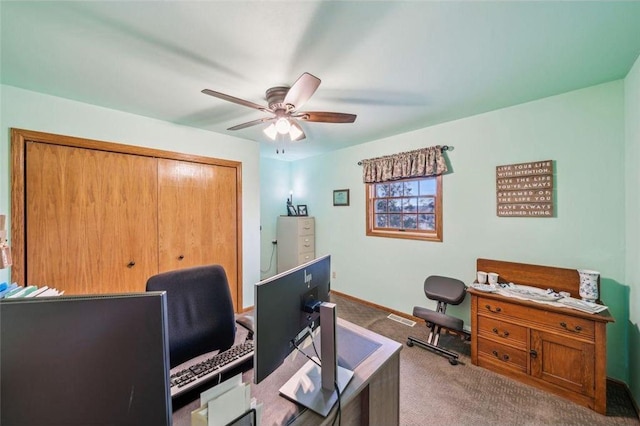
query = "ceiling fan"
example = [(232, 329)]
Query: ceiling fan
[(284, 104)]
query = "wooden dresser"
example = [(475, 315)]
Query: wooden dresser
[(559, 350)]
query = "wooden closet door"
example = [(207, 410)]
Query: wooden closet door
[(91, 219), (197, 217)]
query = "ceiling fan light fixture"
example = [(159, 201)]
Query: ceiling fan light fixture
[(271, 131), (295, 132), (283, 125), (284, 104)]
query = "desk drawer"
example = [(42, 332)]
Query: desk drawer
[(514, 358), (564, 323), (503, 331)]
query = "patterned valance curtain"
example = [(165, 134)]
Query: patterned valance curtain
[(418, 163)]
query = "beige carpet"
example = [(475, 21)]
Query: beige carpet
[(433, 392)]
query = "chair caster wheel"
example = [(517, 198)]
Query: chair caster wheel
[(409, 343), (453, 361)]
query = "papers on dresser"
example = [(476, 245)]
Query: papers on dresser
[(582, 305), (549, 297)]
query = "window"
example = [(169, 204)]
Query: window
[(406, 208)]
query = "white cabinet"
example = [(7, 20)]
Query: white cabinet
[(296, 241)]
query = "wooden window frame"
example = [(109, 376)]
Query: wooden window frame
[(431, 235)]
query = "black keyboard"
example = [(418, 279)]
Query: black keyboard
[(184, 380)]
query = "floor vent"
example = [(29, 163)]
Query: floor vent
[(401, 320)]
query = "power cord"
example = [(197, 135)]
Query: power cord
[(339, 412), (273, 251), (305, 354)]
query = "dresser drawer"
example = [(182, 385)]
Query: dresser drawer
[(572, 326), (306, 226), (499, 309), (565, 323), (306, 243), (498, 353), (502, 331)]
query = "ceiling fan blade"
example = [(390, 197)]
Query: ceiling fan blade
[(235, 100), (251, 123), (304, 87), (326, 117)]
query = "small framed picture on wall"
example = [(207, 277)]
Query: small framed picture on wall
[(341, 197)]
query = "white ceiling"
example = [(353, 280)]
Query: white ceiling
[(398, 65)]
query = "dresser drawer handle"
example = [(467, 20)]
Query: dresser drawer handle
[(495, 311), (505, 334), (505, 357), (577, 328)]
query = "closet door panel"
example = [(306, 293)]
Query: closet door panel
[(197, 219), (91, 219)]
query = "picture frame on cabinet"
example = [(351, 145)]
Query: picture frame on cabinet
[(291, 210), (302, 210)]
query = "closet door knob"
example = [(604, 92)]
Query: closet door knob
[(181, 257), (131, 264)]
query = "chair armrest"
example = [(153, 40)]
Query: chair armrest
[(246, 321)]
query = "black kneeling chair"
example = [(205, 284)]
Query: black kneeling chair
[(445, 291)]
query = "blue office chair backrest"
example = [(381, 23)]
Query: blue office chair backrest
[(199, 309)]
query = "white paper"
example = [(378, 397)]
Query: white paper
[(229, 405), (218, 390)]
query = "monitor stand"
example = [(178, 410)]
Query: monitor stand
[(312, 386)]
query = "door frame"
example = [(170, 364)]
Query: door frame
[(19, 138)]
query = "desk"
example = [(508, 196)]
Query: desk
[(372, 396)]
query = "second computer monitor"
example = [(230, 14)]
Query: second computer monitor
[(285, 306)]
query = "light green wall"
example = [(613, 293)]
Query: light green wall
[(632, 157), (34, 111), (274, 190), (582, 131)]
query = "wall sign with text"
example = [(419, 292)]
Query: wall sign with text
[(525, 189)]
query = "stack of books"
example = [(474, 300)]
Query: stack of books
[(10, 291)]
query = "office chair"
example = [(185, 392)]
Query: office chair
[(445, 291), (199, 310)]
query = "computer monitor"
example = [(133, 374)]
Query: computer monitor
[(85, 360), (288, 306)]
